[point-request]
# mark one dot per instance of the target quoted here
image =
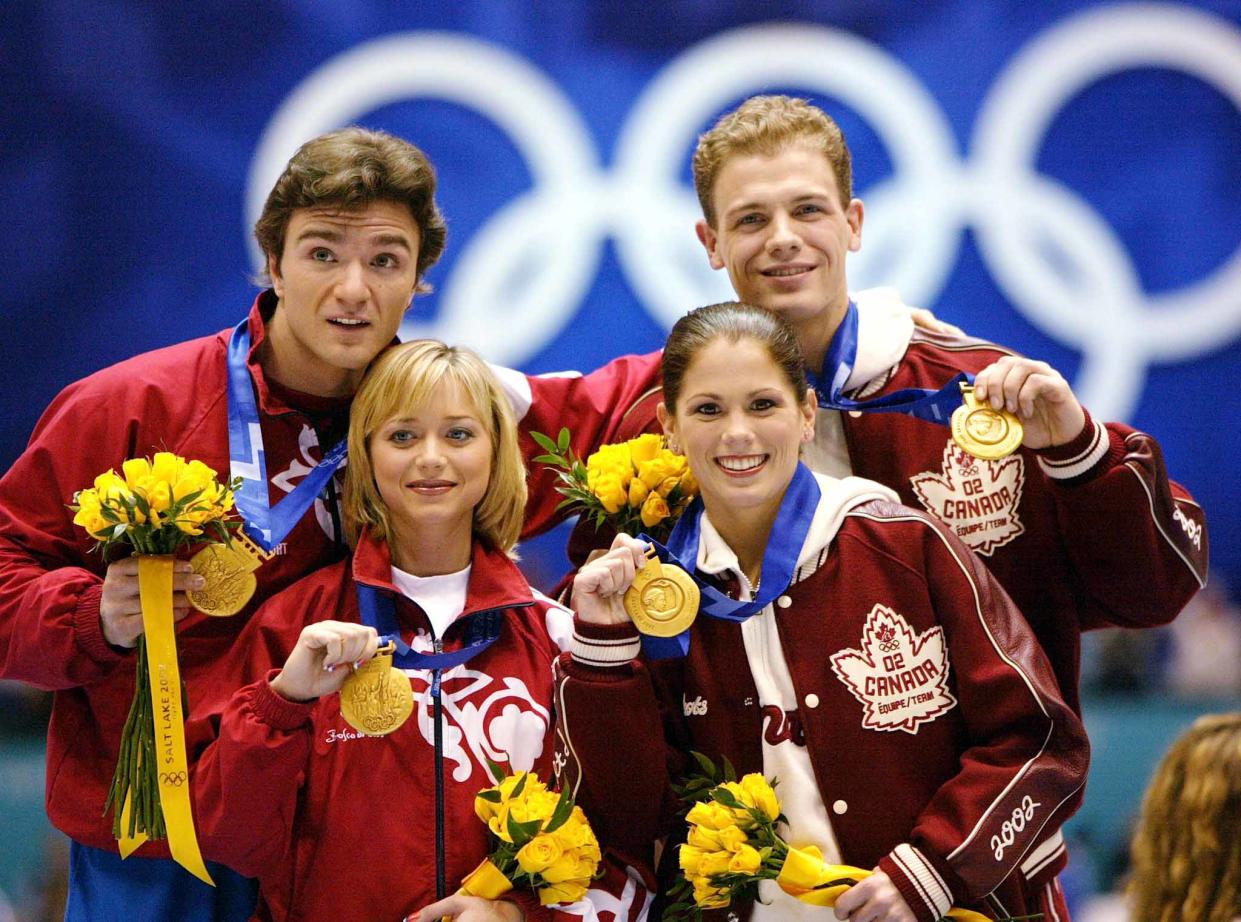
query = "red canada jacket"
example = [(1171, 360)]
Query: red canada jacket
[(341, 826), (172, 399), (1087, 535), (944, 785)]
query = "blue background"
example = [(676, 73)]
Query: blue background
[(130, 130)]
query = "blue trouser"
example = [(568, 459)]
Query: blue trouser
[(103, 888)]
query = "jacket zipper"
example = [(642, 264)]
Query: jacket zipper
[(441, 889)]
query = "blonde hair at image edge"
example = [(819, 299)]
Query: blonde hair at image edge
[(403, 379), (1187, 847)]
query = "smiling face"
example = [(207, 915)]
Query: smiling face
[(432, 466), (741, 425), (344, 281), (783, 233)]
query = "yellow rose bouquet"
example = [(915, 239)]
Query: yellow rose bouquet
[(155, 506), (733, 845), (541, 840), (635, 486)]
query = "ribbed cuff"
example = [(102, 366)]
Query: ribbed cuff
[(604, 645), (88, 632), (918, 882), (1078, 457), (275, 710)]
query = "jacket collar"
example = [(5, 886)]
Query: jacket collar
[(495, 580), (260, 313)]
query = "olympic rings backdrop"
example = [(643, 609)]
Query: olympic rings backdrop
[(1063, 178)]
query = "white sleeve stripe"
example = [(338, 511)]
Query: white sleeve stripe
[(1051, 726), (1040, 854), (1150, 500), (924, 878), (606, 653), (1075, 467)]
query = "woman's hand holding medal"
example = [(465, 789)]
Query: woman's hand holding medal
[(599, 587), (313, 668)]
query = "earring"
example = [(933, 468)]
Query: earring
[(674, 447)]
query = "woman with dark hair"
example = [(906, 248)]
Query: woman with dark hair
[(853, 648)]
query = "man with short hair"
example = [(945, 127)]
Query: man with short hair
[(349, 231), (1081, 525)]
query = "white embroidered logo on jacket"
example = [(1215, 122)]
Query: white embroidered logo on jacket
[(485, 717), (900, 676), (298, 468), (977, 499)]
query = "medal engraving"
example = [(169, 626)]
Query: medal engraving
[(662, 601), (376, 699), (229, 572), (985, 433)]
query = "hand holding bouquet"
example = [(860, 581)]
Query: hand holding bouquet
[(636, 486), (541, 839), (733, 845), (157, 506)]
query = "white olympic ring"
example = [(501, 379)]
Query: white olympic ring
[(529, 267)]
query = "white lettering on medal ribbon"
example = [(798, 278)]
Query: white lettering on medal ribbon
[(1008, 831), (915, 221)]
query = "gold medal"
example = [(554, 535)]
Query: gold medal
[(984, 432), (376, 699), (229, 572), (662, 601)]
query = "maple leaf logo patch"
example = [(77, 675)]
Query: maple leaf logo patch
[(899, 676), (977, 499)]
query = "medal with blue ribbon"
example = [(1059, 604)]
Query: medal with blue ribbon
[(268, 525), (229, 569), (376, 698), (788, 534), (935, 406), (984, 432)]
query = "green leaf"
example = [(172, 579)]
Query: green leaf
[(546, 459), (498, 772), (562, 441), (119, 531), (730, 773), (725, 797), (544, 442), (707, 766), (521, 786), (521, 833), (490, 795), (560, 815)]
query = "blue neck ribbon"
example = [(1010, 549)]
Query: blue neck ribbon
[(788, 534), (935, 406), (378, 610), (268, 525)]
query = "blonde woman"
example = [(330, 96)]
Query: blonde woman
[(1187, 847), (339, 825)]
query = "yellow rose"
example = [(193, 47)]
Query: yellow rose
[(656, 471), (745, 860), (612, 493), (708, 896), (728, 839), (539, 854), (136, 469), (690, 859), (157, 493), (637, 493), (714, 862), (610, 459), (654, 510), (644, 448), (569, 891), (167, 467), (709, 815), (761, 795), (89, 515), (485, 809)]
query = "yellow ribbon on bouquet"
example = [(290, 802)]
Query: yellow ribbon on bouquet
[(155, 591), (806, 876)]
